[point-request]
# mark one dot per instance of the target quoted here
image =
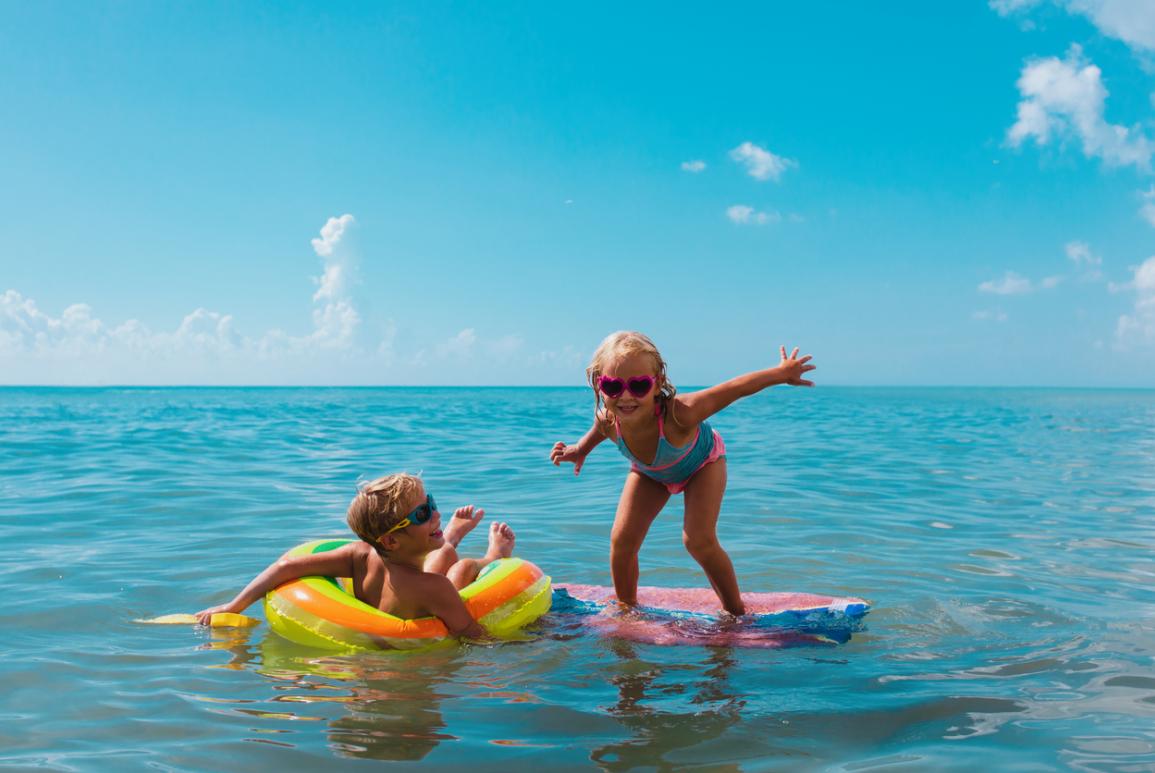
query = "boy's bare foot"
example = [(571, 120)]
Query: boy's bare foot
[(500, 541), (462, 522)]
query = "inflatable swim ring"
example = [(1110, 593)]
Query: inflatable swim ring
[(509, 594)]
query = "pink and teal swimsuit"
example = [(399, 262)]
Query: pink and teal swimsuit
[(673, 467)]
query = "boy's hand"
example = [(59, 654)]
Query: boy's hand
[(793, 367), (205, 616), (563, 453)]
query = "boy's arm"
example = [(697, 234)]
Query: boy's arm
[(699, 406), (331, 563), (443, 600), (577, 453)]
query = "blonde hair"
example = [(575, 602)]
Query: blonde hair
[(378, 506), (626, 343)]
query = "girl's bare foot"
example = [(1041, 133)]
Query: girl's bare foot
[(501, 539), (463, 521)]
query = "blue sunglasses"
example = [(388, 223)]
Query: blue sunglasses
[(419, 515)]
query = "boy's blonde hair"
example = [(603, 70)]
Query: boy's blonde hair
[(379, 506), (625, 343)]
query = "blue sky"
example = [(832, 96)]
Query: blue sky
[(243, 193)]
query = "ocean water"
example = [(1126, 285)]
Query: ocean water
[(1005, 538)]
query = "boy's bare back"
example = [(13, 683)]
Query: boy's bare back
[(397, 590)]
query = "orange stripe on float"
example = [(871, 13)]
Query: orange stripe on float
[(301, 595), (503, 592)]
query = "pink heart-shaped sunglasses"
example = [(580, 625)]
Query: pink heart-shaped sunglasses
[(638, 386)]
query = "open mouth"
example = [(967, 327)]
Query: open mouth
[(435, 533)]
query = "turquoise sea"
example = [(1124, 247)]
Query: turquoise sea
[(1005, 538)]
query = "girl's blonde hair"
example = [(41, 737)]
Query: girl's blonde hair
[(626, 343)]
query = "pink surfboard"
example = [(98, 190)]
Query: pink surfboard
[(691, 616)]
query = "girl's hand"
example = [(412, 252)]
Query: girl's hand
[(563, 453), (205, 616), (793, 367)]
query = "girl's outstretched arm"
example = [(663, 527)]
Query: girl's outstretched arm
[(699, 406), (333, 563), (577, 453)]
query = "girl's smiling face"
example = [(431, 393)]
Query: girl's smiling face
[(626, 406)]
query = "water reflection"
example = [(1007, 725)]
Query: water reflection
[(391, 704), (655, 734)]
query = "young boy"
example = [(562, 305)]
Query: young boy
[(404, 564)]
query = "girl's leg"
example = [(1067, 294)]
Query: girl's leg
[(699, 533), (641, 501)]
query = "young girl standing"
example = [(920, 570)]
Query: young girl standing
[(672, 450)]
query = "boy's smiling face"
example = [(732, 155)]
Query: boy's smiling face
[(417, 538)]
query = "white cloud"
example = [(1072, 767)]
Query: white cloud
[(694, 167), (1010, 284), (739, 213), (1065, 99), (1005, 7), (760, 163), (1132, 21), (1080, 254), (207, 331), (1051, 282), (1147, 209), (744, 215), (25, 330), (460, 344), (331, 234), (1085, 260), (202, 336), (990, 315), (335, 319), (1139, 325)]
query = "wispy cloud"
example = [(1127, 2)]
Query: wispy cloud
[(760, 163), (1005, 7), (467, 343), (1147, 208), (1086, 263), (1131, 21), (1085, 260), (745, 215), (1138, 327), (1010, 284), (694, 167), (990, 315), (1064, 99)]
